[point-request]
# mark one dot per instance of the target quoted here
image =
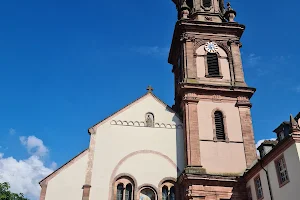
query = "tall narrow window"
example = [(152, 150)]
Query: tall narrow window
[(282, 172), (120, 189), (172, 193), (258, 188), (219, 123), (207, 3), (213, 64), (128, 192), (165, 193)]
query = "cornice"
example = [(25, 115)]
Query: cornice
[(234, 90)]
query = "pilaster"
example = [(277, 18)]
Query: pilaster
[(88, 176), (192, 131), (86, 192), (244, 106), (43, 191), (237, 63)]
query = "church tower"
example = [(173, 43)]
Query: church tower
[(213, 99)]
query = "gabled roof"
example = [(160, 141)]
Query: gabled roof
[(94, 127)]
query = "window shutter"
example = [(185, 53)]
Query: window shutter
[(207, 3), (219, 123), (213, 64)]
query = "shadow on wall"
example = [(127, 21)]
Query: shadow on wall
[(180, 144)]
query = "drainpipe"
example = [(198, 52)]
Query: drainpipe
[(268, 179)]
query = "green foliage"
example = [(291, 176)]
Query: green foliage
[(5, 194)]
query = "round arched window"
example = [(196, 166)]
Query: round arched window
[(147, 194)]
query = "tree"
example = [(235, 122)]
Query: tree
[(5, 194)]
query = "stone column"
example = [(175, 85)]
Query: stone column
[(244, 106), (43, 191), (237, 63), (192, 133)]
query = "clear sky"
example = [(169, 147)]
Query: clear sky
[(65, 65)]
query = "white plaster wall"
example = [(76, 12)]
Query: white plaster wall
[(68, 183), (288, 191), (114, 143), (232, 120), (223, 62)]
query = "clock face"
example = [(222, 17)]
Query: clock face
[(211, 47)]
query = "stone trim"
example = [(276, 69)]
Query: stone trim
[(171, 182), (43, 191), (89, 169), (214, 126), (113, 175), (248, 136), (192, 132), (125, 176), (86, 192)]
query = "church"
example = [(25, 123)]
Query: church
[(202, 147)]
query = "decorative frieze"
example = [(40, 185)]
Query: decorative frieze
[(143, 124)]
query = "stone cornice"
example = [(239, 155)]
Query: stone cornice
[(233, 90)]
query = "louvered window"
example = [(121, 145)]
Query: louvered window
[(213, 64), (219, 123), (207, 3)]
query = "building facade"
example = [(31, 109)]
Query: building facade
[(198, 149)]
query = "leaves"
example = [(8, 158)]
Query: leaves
[(5, 194)]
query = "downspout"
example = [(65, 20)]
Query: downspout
[(268, 179)]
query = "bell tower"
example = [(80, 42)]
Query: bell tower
[(214, 100)]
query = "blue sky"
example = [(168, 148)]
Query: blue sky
[(65, 65)]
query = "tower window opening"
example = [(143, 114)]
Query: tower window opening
[(207, 3), (219, 123), (213, 64)]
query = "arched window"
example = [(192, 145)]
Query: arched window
[(219, 123), (213, 64), (165, 193), (128, 192), (149, 120), (120, 189), (207, 3), (147, 194), (172, 193)]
